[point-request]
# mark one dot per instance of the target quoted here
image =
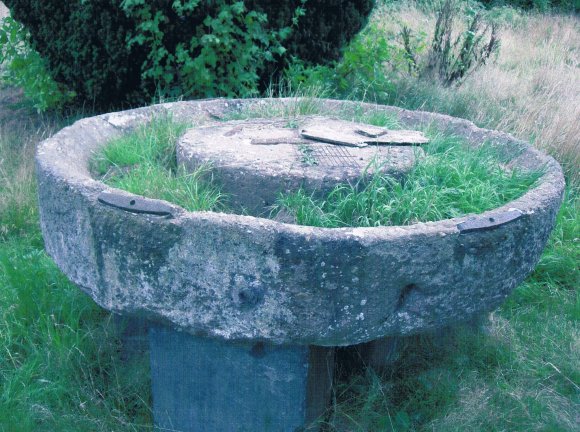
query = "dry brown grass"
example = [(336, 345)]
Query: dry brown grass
[(18, 139), (16, 178), (536, 80), (532, 90)]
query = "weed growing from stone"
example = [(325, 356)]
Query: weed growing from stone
[(451, 180), (308, 158), (144, 162)]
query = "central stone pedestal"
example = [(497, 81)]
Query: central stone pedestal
[(207, 385), (256, 160)]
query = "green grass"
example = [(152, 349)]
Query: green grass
[(303, 101), (373, 117), (521, 373), (18, 210), (452, 180), (144, 162), (60, 365)]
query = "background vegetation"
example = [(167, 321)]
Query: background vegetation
[(61, 366), (113, 53)]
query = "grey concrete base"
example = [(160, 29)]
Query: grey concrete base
[(203, 384), (380, 354)]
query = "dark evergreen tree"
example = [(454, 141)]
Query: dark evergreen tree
[(120, 52)]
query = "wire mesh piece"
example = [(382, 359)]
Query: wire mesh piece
[(330, 156)]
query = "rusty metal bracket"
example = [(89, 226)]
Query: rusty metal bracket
[(135, 204), (490, 222)]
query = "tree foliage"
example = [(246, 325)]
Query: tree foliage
[(115, 52)]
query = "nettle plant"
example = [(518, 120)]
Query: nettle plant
[(453, 57), (23, 67), (224, 54), (453, 61)]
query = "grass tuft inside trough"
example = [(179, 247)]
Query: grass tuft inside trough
[(144, 163), (451, 180)]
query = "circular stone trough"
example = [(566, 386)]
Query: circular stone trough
[(260, 302)]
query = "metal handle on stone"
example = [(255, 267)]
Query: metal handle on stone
[(489, 222), (135, 204)]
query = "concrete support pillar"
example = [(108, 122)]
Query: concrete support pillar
[(382, 353), (209, 385)]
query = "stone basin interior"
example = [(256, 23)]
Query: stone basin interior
[(264, 300), (257, 162)]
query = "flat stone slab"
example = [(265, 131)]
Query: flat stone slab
[(256, 160), (351, 134), (244, 278)]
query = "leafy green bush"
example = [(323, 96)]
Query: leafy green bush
[(23, 67), (113, 52), (224, 56), (359, 74)]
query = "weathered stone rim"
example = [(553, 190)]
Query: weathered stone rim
[(551, 182)]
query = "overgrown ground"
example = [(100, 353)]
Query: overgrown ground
[(60, 367)]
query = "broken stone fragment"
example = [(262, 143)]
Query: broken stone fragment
[(279, 140), (401, 137), (333, 132), (352, 134), (370, 131)]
